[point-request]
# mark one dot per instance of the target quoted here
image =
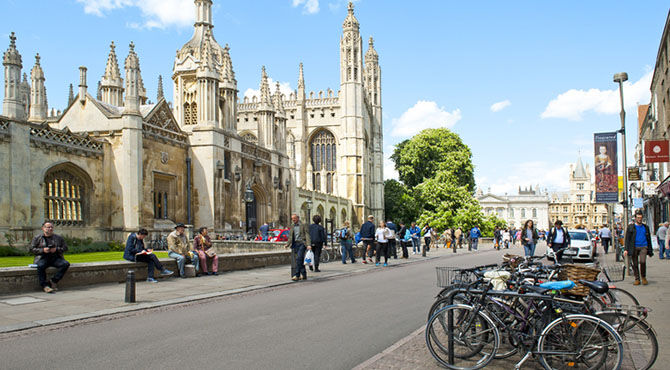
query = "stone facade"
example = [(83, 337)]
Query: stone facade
[(528, 204), (112, 163), (577, 207)]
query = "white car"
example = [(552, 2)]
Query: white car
[(581, 246)]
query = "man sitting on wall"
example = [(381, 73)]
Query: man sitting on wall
[(48, 249), (136, 252), (179, 249)]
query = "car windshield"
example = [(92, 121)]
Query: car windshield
[(578, 236)]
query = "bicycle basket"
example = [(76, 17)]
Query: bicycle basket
[(575, 273), (448, 276), (615, 272)]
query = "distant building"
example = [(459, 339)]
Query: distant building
[(529, 204), (577, 207)]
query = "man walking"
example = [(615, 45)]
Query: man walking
[(558, 239), (264, 230), (178, 248), (298, 241), (606, 237), (368, 237), (48, 249), (638, 247), (661, 235), (346, 242), (415, 232), (475, 234), (392, 239), (317, 236)]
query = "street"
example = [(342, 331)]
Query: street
[(336, 323)]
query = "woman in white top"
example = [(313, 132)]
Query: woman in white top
[(382, 235), (506, 238)]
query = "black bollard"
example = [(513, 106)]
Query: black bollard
[(130, 286)]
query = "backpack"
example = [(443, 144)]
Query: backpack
[(343, 233)]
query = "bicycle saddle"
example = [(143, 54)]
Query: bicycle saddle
[(597, 286), (558, 285)]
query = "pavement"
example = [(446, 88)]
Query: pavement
[(411, 352), (38, 309)]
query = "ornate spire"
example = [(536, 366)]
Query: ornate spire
[(12, 56), (350, 22), (132, 61), (207, 61), (278, 104), (112, 74), (159, 93), (265, 88), (301, 78), (70, 96), (38, 104), (228, 73), (371, 55), (133, 82)]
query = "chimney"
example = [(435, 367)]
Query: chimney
[(82, 84)]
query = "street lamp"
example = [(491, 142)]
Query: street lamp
[(249, 199), (620, 78), (309, 210)]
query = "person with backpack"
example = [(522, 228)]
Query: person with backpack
[(346, 242), (317, 234), (475, 234), (393, 251), (403, 238), (367, 233)]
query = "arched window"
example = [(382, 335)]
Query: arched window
[(534, 212), (65, 195), (324, 159), (523, 212)]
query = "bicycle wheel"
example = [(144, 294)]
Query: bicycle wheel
[(443, 301), (470, 342), (580, 342), (622, 297), (639, 339), (325, 256)]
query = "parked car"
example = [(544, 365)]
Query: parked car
[(278, 235), (581, 246)]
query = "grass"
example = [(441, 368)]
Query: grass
[(72, 258)]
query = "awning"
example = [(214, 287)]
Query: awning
[(664, 187)]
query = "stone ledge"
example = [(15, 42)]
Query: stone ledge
[(24, 279)]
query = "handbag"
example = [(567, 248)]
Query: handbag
[(210, 252)]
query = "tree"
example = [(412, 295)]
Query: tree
[(431, 151), (399, 204)]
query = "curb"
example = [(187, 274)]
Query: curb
[(387, 351), (188, 299)]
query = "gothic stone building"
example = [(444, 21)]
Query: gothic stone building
[(112, 163)]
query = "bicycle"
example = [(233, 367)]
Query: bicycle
[(159, 244)]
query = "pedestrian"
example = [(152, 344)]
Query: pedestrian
[(447, 238), (661, 235), (265, 231), (606, 237), (317, 234), (403, 237), (558, 239), (346, 243), (529, 238), (496, 238), (48, 249), (136, 251), (202, 245), (178, 247), (475, 234), (298, 240), (415, 233), (393, 251), (427, 236), (368, 237), (638, 247), (506, 238), (382, 234), (458, 238)]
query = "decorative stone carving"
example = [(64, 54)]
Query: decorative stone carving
[(43, 136)]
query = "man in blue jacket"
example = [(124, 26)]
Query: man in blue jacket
[(368, 237), (475, 234), (136, 252), (415, 233)]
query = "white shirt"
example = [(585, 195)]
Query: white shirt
[(382, 234), (559, 236)]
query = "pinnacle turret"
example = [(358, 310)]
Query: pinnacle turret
[(228, 73), (12, 56), (301, 78), (278, 104), (265, 89), (70, 96), (111, 84), (38, 98), (350, 22), (159, 91), (371, 55), (133, 82)]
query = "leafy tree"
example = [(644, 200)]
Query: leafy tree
[(431, 151), (399, 203)]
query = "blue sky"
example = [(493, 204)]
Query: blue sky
[(525, 83)]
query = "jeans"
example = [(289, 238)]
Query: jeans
[(529, 248), (662, 251), (639, 256), (202, 256), (382, 249), (426, 243), (403, 244), (392, 251), (51, 259), (475, 241), (606, 244), (317, 248), (152, 262), (181, 262), (557, 246), (416, 245), (347, 250), (300, 259)]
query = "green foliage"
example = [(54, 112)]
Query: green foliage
[(116, 246), (431, 151), (399, 204), (6, 251), (72, 258), (11, 239), (77, 245)]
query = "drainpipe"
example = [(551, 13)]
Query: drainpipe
[(188, 191)]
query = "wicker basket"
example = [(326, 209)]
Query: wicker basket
[(512, 259), (575, 273)]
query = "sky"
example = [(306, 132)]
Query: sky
[(524, 83)]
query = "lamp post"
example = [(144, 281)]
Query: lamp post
[(309, 210), (249, 199), (620, 78)]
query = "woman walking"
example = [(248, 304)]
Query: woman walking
[(317, 234), (529, 238), (382, 235), (427, 234), (346, 242)]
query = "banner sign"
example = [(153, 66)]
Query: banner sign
[(656, 151), (638, 203), (605, 165), (650, 187), (634, 174)]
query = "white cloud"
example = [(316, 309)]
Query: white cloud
[(284, 87), (389, 167), (156, 13), (423, 115), (335, 6), (309, 6), (497, 107), (573, 103), (553, 176)]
